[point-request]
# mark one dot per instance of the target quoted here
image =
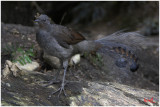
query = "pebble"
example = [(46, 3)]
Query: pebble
[(29, 39), (22, 36), (8, 85)]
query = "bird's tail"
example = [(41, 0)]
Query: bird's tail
[(121, 46)]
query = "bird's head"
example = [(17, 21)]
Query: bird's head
[(42, 19)]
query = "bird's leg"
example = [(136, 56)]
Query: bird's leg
[(74, 68), (65, 65), (74, 65), (54, 80)]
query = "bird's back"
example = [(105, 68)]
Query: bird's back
[(66, 36)]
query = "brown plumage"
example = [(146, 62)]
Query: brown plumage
[(67, 36), (125, 52)]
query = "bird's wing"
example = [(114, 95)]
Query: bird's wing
[(74, 37), (66, 36)]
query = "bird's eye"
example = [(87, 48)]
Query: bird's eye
[(43, 20)]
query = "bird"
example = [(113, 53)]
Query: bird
[(63, 42)]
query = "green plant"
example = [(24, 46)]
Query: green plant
[(95, 59), (19, 54)]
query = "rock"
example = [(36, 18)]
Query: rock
[(15, 31), (6, 71), (113, 94), (52, 61), (28, 67), (16, 68), (10, 68), (8, 84), (9, 63), (74, 60), (29, 39)]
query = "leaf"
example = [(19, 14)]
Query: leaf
[(19, 49), (31, 50), (22, 59), (25, 55), (28, 59), (14, 61), (20, 62), (30, 53)]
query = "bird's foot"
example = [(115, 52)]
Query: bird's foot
[(60, 90), (65, 65)]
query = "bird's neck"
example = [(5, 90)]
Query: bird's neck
[(46, 27)]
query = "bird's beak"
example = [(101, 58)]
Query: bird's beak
[(37, 20)]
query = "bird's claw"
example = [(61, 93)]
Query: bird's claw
[(60, 90)]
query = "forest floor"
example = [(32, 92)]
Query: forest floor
[(89, 84)]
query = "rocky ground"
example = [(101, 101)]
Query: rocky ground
[(89, 84)]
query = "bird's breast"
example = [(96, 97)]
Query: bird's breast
[(50, 45)]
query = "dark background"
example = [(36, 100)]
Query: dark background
[(132, 14)]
